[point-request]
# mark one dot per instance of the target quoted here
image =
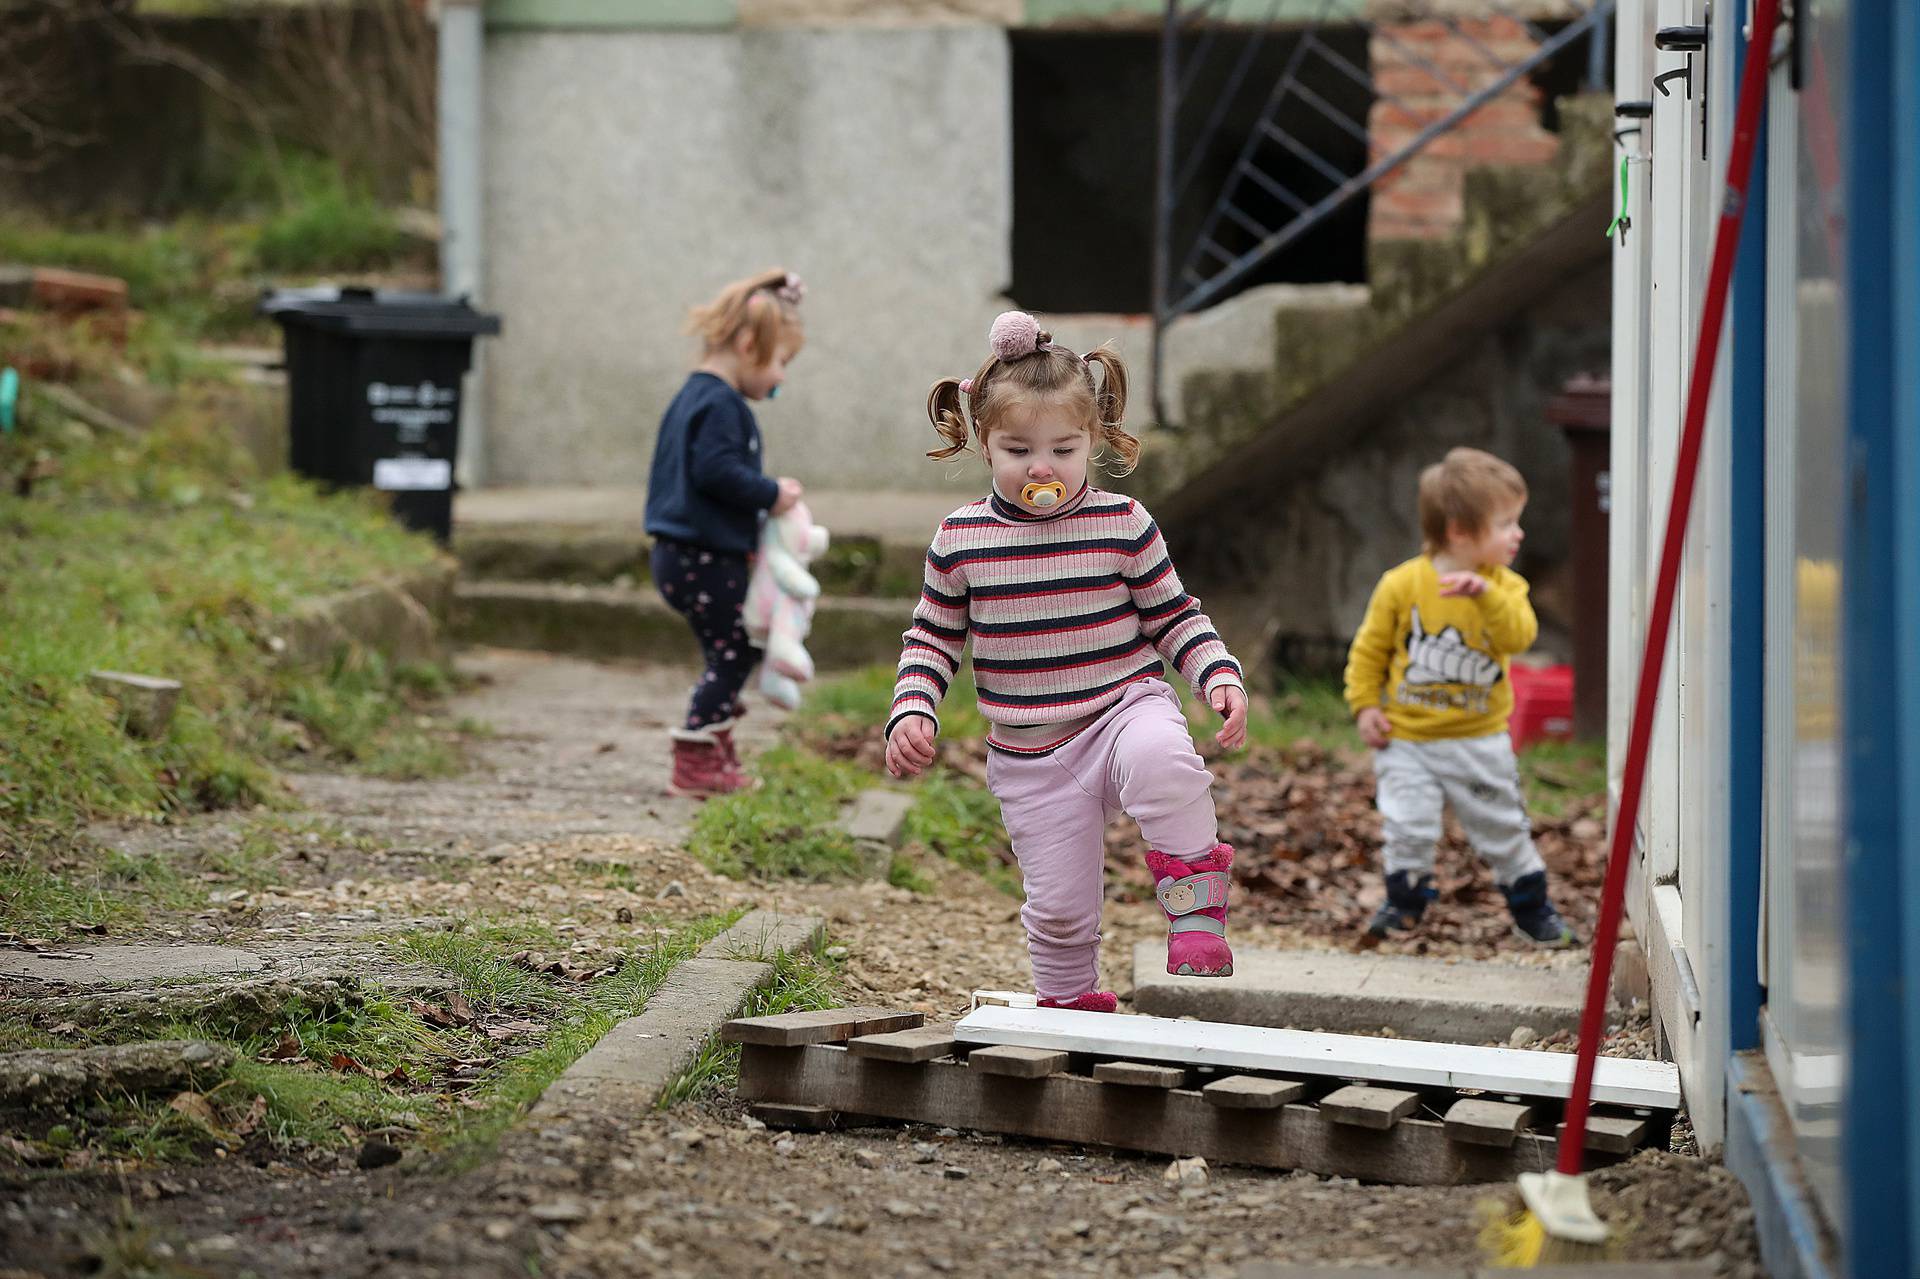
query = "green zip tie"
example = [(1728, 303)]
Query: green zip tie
[(9, 396), (1621, 216)]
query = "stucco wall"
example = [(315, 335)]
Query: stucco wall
[(630, 174)]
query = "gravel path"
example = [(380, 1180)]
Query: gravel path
[(564, 819)]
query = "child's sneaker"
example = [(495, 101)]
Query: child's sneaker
[(700, 767), (1407, 898), (1193, 896), (1533, 915), (1094, 1001)]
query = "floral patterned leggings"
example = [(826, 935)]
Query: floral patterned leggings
[(707, 587)]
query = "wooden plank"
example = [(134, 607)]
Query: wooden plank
[(777, 1114), (1249, 1092), (1403, 1062), (1366, 1107), (923, 1043), (1075, 1108), (1139, 1074), (830, 1025), (1615, 1134), (1016, 1062), (1486, 1123)]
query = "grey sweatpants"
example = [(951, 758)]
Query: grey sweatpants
[(1479, 777)]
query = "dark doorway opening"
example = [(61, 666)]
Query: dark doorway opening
[(1085, 109)]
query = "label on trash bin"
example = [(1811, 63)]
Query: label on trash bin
[(412, 474)]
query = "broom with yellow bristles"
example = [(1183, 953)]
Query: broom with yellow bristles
[(1559, 1224)]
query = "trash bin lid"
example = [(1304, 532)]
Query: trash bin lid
[(378, 312)]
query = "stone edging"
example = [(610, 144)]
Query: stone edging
[(631, 1066)]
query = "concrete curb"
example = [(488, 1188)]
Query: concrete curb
[(630, 1067), (622, 623)]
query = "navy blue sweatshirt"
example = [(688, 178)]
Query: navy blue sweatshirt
[(707, 487)]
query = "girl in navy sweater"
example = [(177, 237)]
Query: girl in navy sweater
[(705, 502)]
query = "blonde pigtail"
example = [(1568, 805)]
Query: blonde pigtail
[(1110, 408), (946, 409), (763, 305)]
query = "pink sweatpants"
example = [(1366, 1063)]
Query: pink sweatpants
[(1138, 758)]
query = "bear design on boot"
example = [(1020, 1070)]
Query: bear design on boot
[(778, 611)]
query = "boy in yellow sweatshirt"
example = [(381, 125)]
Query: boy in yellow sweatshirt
[(1427, 683)]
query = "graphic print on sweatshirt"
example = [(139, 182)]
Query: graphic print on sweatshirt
[(1444, 671)]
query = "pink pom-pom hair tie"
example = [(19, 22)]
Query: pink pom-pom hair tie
[(792, 290), (1014, 335)]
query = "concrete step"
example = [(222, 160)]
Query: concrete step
[(633, 623), (1430, 999), (855, 564)]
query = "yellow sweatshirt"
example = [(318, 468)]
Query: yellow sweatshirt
[(1438, 664)]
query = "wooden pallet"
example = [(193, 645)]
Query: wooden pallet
[(804, 1069)]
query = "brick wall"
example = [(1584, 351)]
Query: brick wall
[(1423, 71)]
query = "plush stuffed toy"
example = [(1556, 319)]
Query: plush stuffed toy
[(780, 597)]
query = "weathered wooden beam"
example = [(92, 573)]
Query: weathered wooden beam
[(1074, 1108), (1486, 1123), (1250, 1092), (1366, 1107), (1139, 1074), (1016, 1062), (830, 1025), (923, 1043)]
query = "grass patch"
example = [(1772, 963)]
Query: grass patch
[(903, 873), (958, 819), (788, 829), (164, 556), (200, 277), (486, 979), (801, 983), (1564, 778), (49, 883), (380, 1066), (860, 701)]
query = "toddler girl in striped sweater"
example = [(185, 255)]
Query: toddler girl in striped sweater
[(1072, 604)]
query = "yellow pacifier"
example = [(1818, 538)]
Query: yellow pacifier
[(1051, 493)]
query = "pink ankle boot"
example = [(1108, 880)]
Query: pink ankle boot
[(1094, 1001), (1194, 897)]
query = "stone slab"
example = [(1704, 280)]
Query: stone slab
[(53, 1077), (1465, 1003), (128, 965), (879, 817), (762, 934)]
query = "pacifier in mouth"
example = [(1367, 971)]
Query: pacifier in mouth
[(1051, 493)]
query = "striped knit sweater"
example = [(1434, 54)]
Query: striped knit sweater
[(1065, 609)]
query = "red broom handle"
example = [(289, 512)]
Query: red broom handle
[(1686, 467)]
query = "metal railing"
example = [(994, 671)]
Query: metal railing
[(1237, 234)]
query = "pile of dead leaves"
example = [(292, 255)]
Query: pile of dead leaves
[(1307, 841)]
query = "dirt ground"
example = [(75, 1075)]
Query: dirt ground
[(566, 791)]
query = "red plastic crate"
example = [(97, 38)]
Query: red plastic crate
[(1542, 704)]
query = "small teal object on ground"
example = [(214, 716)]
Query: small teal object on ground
[(9, 396)]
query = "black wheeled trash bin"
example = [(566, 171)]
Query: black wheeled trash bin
[(373, 383)]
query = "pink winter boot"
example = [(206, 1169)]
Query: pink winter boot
[(1194, 897), (1094, 1001)]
